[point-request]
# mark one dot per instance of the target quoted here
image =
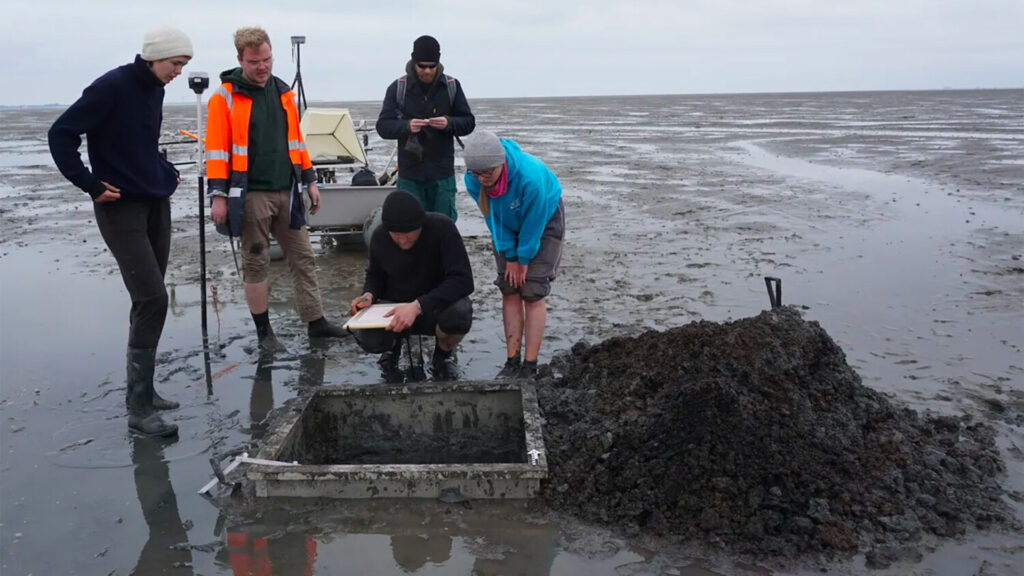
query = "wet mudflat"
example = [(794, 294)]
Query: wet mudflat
[(896, 221)]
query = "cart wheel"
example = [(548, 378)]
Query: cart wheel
[(370, 224), (327, 241)]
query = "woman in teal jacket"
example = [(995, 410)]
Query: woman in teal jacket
[(521, 201)]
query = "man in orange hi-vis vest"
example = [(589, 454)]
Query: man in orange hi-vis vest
[(256, 165)]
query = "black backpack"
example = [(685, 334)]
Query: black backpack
[(364, 177)]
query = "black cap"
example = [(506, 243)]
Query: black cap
[(426, 49), (402, 212)]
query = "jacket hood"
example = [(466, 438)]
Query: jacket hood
[(234, 75), (512, 153)]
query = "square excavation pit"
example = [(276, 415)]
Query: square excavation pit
[(481, 439)]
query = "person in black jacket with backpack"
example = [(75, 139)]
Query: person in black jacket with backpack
[(426, 111)]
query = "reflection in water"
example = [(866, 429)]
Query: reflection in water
[(261, 400), (269, 549), (255, 552), (430, 544), (283, 540), (312, 365), (285, 536), (493, 533), (160, 509)]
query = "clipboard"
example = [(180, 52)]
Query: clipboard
[(371, 317)]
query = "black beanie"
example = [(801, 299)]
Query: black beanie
[(402, 212), (426, 49)]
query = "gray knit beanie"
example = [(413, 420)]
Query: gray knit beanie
[(483, 151), (165, 42)]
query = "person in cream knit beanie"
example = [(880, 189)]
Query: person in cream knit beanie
[(165, 42)]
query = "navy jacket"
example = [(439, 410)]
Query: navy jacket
[(438, 157), (120, 113), (435, 271)]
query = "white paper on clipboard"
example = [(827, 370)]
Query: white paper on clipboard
[(371, 317)]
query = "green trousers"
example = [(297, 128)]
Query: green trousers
[(435, 195)]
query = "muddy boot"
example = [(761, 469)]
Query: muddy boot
[(528, 371), (269, 344), (388, 363), (142, 416), (321, 328), (161, 403), (511, 369), (445, 365)]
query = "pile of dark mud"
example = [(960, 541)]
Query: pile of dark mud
[(756, 436)]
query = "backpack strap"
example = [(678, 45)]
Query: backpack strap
[(400, 94), (402, 83), (452, 87)]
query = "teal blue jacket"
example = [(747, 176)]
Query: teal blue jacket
[(518, 217)]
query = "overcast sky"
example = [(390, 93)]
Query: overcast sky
[(51, 49)]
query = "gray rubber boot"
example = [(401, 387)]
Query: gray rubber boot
[(142, 416)]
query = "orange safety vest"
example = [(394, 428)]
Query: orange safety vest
[(227, 151)]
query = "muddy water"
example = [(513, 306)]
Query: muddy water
[(895, 219)]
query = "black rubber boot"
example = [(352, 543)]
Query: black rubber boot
[(142, 416), (389, 363), (161, 403), (321, 328), (445, 364), (511, 369)]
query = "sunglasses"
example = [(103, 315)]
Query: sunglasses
[(426, 66)]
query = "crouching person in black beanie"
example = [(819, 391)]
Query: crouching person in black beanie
[(417, 259)]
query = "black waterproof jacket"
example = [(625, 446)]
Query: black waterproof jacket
[(435, 158), (435, 271)]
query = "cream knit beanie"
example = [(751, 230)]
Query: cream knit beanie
[(165, 42)]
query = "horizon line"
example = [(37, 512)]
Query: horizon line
[(639, 95)]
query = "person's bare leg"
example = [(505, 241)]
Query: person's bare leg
[(256, 296), (512, 316), (536, 318)]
